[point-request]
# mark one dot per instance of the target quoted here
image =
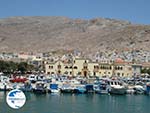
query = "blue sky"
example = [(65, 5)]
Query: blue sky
[(136, 11)]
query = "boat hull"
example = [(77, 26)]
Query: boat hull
[(119, 91), (40, 91)]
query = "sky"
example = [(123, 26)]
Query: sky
[(135, 11)]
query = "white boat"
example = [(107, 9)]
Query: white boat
[(139, 89), (40, 87), (5, 86), (32, 78), (130, 90), (116, 87), (67, 88)]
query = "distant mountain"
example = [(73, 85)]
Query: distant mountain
[(43, 34)]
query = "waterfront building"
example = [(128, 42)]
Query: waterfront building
[(122, 68), (86, 68), (59, 67), (106, 69)]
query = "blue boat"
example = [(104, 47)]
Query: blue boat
[(89, 88), (53, 88), (147, 89), (101, 88), (80, 89), (27, 87)]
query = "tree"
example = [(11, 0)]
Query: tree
[(22, 67), (10, 67), (146, 70)]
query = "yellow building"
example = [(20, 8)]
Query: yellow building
[(80, 66), (123, 69), (50, 68), (58, 67), (106, 69), (93, 68), (118, 68), (84, 67)]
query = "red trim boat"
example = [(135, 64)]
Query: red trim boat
[(18, 79)]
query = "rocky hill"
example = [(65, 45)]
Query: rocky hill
[(43, 34)]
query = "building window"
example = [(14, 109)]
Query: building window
[(85, 67), (59, 72), (66, 67), (118, 68), (66, 72), (94, 73), (59, 66), (96, 67), (102, 67), (110, 67), (118, 74), (50, 67), (75, 67), (79, 73), (121, 68), (130, 68)]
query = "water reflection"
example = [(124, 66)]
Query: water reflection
[(72, 103)]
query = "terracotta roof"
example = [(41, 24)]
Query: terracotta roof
[(146, 64), (119, 60)]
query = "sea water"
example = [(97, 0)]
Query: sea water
[(81, 103)]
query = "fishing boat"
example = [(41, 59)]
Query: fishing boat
[(67, 88), (5, 86), (89, 88), (79, 89), (18, 79), (40, 87), (139, 89), (32, 78), (116, 87), (101, 88), (27, 87), (130, 90), (147, 88), (53, 88)]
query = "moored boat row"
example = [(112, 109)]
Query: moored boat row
[(55, 84)]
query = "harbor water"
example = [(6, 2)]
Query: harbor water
[(81, 103)]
